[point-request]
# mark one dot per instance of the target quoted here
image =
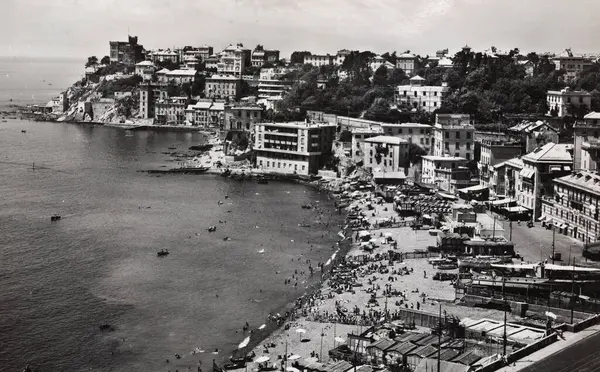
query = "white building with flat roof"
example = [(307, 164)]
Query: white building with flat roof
[(426, 98), (223, 86), (294, 148), (319, 60), (385, 153), (407, 62), (453, 136), (206, 114)]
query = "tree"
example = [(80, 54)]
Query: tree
[(380, 77), (92, 62), (105, 60), (298, 57)]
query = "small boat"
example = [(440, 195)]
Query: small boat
[(306, 206), (55, 217), (162, 253), (234, 365), (212, 228), (303, 225), (106, 327), (23, 131)]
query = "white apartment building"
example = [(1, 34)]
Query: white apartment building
[(379, 61), (453, 136), (319, 60), (232, 61), (359, 135), (223, 86), (211, 62), (540, 168), (407, 62), (385, 154), (294, 148), (437, 170), (559, 101), (340, 57), (422, 97), (164, 55), (206, 114), (145, 69), (270, 83), (586, 149), (419, 134), (170, 111), (242, 116)]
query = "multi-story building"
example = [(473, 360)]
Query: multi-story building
[(127, 52), (422, 97), (164, 55), (319, 60), (145, 69), (340, 57), (211, 62), (242, 116), (419, 134), (271, 83), (439, 171), (205, 51), (540, 168), (573, 208), (571, 63), (586, 148), (453, 135), (150, 94), (296, 147), (177, 76), (350, 124), (534, 134), (170, 111), (492, 153), (385, 153), (505, 180), (560, 101), (260, 56), (222, 86), (407, 62), (379, 61), (233, 60), (359, 135), (192, 57), (206, 113)]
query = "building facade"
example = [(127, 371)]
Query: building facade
[(559, 102), (540, 168), (453, 136), (419, 134), (505, 180), (438, 170), (385, 153), (127, 52), (171, 111), (150, 94), (271, 83), (242, 116), (319, 60), (295, 148), (407, 62), (359, 136), (571, 63), (164, 56), (145, 69), (206, 114), (586, 146), (574, 206), (223, 86), (233, 60), (260, 56), (492, 153), (422, 97)]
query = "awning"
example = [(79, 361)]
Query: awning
[(562, 226), (527, 173), (517, 209), (555, 168), (567, 168), (542, 218), (501, 202), (474, 188)]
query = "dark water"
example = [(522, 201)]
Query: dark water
[(60, 281)]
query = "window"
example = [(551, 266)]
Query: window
[(424, 94), (410, 131), (422, 140), (447, 145), (427, 141), (405, 93), (456, 155), (468, 156), (435, 104), (457, 135), (389, 130), (424, 104), (415, 94), (468, 145), (268, 163), (468, 135), (303, 167), (447, 134), (435, 93), (261, 163), (457, 144)]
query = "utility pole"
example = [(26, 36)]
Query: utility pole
[(286, 352), (494, 229), (572, 290), (553, 242), (505, 306), (439, 358), (510, 231), (321, 352)]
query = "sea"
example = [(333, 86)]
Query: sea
[(60, 281)]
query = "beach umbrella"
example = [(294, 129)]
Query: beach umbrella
[(262, 326), (262, 359), (300, 330), (244, 343), (294, 357), (339, 339)]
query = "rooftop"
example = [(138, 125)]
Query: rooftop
[(407, 125), (182, 73), (443, 158), (417, 77), (592, 115), (551, 152), (582, 180), (387, 139), (514, 162), (567, 92), (222, 77), (145, 63), (297, 124)]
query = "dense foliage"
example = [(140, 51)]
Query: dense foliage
[(485, 86)]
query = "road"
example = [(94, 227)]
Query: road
[(535, 243), (583, 356)]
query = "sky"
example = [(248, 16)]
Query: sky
[(81, 28)]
